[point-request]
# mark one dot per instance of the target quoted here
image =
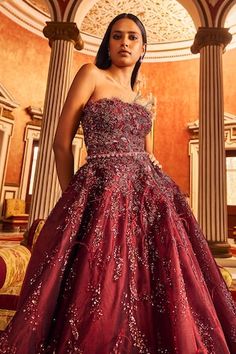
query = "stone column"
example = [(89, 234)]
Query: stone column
[(212, 205), (63, 37)]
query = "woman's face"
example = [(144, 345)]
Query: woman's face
[(126, 43)]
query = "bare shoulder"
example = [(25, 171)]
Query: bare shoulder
[(84, 82), (88, 70)]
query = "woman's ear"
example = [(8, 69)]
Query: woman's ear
[(144, 48)]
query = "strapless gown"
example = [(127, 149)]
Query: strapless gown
[(121, 265)]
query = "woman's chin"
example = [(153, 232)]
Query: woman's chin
[(124, 61)]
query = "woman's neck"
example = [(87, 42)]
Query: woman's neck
[(121, 75)]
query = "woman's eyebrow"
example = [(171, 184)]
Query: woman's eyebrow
[(130, 32)]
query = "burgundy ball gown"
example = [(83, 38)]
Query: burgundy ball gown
[(121, 266)]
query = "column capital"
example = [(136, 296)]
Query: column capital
[(67, 31), (210, 36)]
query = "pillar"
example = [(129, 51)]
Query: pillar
[(63, 37), (212, 203)]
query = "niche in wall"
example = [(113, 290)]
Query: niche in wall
[(7, 105), (31, 138), (230, 147)]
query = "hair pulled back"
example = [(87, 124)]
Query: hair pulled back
[(103, 60)]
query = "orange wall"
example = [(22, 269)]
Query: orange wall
[(23, 71), (229, 72), (175, 85)]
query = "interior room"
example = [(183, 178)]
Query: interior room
[(187, 76)]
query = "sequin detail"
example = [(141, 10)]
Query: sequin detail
[(116, 154), (121, 265)]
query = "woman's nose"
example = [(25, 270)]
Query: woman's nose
[(124, 43)]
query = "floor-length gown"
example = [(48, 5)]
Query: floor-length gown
[(121, 266)]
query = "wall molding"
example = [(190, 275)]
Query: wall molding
[(230, 144)]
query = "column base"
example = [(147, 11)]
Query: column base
[(220, 249)]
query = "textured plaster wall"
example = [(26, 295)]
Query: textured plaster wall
[(175, 85), (23, 72), (229, 72)]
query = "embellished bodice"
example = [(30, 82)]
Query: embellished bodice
[(112, 125)]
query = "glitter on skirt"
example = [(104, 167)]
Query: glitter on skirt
[(121, 266)]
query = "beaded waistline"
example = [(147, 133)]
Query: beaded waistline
[(117, 154)]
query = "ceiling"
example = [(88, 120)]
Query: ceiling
[(39, 5), (165, 20), (169, 27)]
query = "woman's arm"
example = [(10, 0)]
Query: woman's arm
[(79, 93)]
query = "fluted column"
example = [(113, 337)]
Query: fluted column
[(212, 204), (63, 37)]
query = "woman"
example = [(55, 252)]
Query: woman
[(121, 265)]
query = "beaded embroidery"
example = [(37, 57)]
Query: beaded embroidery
[(128, 267)]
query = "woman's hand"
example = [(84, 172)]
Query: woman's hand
[(148, 143), (148, 148)]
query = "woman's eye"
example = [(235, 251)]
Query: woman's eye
[(133, 37), (116, 36)]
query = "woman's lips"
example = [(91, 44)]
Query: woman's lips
[(126, 52)]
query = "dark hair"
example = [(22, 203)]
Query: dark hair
[(103, 60)]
